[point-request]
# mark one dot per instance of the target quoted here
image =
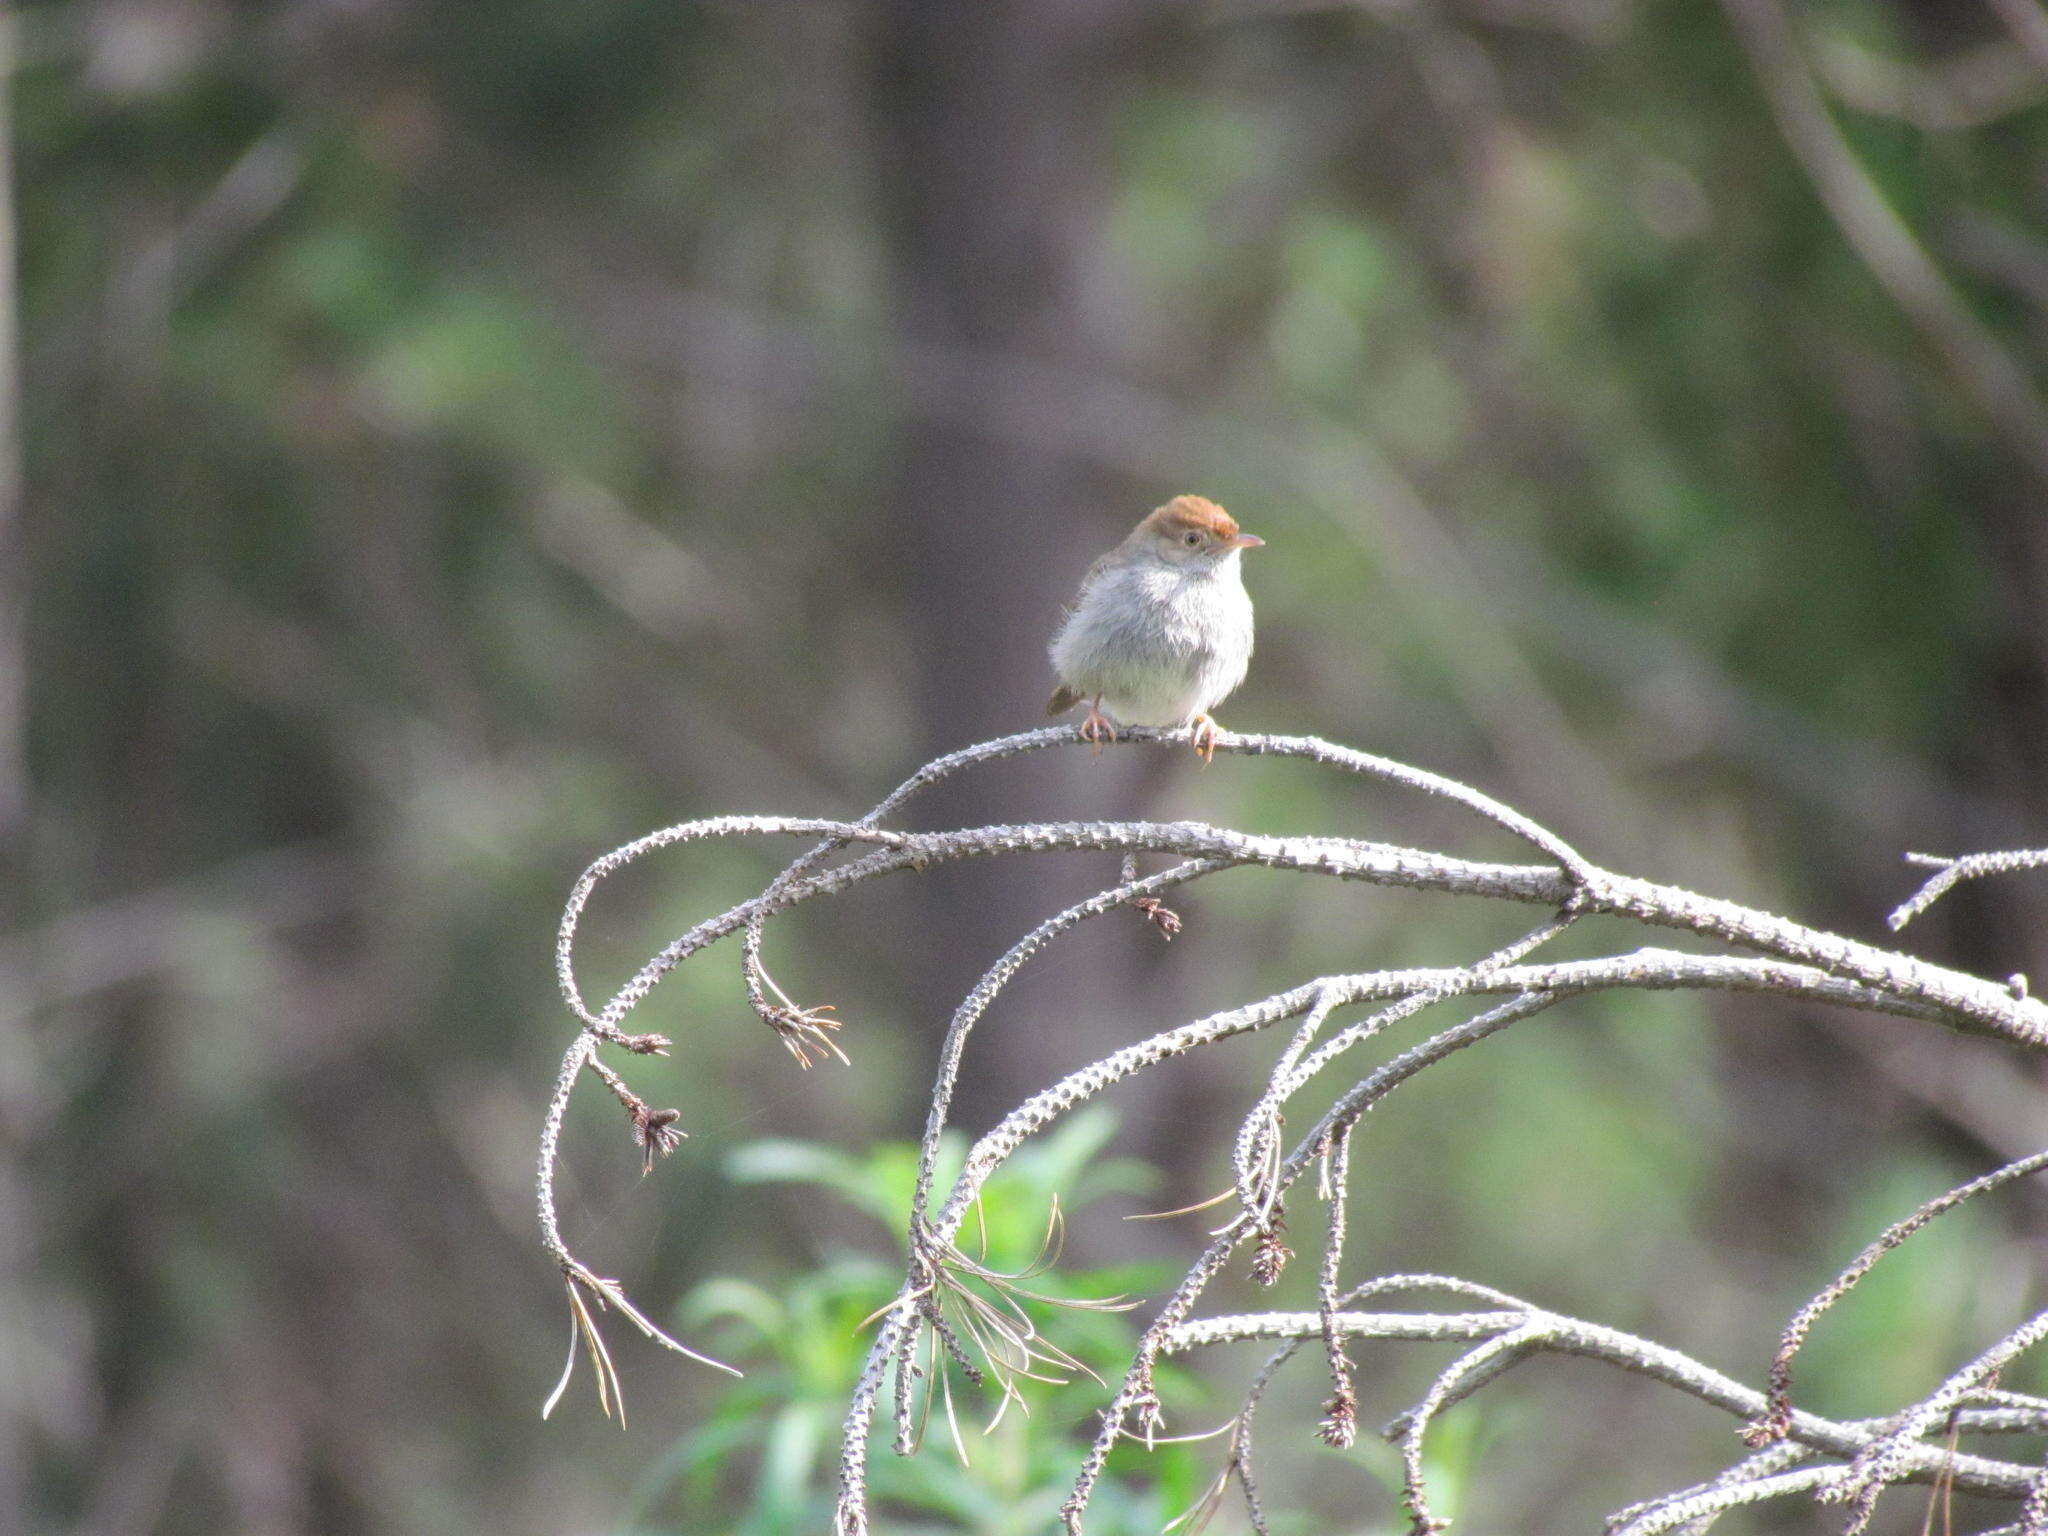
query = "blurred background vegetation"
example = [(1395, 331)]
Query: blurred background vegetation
[(445, 441)]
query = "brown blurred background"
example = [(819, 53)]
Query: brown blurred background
[(441, 442)]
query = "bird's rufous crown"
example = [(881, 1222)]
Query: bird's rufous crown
[(1192, 512)]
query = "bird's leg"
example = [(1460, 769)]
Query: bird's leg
[(1097, 728), (1204, 739)]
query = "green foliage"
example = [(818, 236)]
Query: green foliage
[(765, 1456)]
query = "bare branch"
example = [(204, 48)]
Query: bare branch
[(1773, 1425), (1950, 872), (1693, 1510), (956, 1313), (1550, 1332), (1886, 1459)]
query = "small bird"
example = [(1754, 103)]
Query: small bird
[(1162, 630)]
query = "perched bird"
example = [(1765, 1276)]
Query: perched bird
[(1162, 630)]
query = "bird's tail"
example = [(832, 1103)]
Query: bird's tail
[(1063, 699)]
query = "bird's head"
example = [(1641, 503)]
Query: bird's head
[(1192, 531)]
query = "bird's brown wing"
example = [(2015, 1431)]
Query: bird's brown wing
[(1063, 699)]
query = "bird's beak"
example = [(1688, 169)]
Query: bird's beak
[(1247, 541)]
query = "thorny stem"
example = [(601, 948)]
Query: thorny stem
[(1488, 1359), (1774, 1423), (1749, 1480), (984, 991), (1538, 1330), (1950, 872), (1137, 1382), (1340, 1419), (1258, 1137), (1883, 1461), (1785, 959)]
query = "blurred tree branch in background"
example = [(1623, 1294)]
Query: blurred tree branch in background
[(13, 563)]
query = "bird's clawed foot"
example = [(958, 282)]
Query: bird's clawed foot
[(1159, 915), (1097, 729), (1204, 738)]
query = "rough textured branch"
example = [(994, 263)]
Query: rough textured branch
[(1758, 954)]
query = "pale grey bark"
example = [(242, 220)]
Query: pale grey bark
[(1793, 1452)]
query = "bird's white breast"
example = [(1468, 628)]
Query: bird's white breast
[(1158, 643)]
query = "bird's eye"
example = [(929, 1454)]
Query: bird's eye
[(1192, 539)]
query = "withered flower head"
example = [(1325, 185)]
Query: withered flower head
[(655, 1130)]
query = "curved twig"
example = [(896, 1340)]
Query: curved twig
[(1951, 872), (990, 1314)]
